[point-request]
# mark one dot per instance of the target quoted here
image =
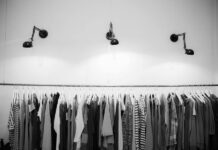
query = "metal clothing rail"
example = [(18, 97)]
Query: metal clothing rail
[(70, 85)]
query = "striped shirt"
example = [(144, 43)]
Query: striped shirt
[(11, 126), (127, 124), (17, 125), (140, 125)]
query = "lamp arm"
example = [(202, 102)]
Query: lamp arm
[(111, 27), (111, 30), (184, 41), (34, 29), (33, 33)]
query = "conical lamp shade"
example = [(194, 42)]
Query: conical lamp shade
[(114, 42), (28, 44)]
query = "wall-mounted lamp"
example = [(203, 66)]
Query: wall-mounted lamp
[(42, 33), (111, 36), (175, 37)]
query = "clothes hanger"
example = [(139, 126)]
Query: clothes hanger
[(202, 95), (25, 93), (207, 92), (88, 98), (40, 94), (15, 98), (186, 93), (177, 93), (192, 94), (14, 90), (210, 91)]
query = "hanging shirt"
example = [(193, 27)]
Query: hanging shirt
[(91, 125), (40, 108), (180, 116), (173, 124), (137, 125), (120, 131), (155, 119), (162, 122), (149, 134), (79, 123), (199, 124), (166, 104), (11, 126), (96, 107), (142, 118), (116, 127), (133, 125), (35, 122), (57, 125), (127, 124), (26, 138), (107, 131), (106, 126), (44, 104), (209, 123), (214, 102), (73, 126), (22, 123), (17, 125), (187, 120), (111, 108), (53, 106), (110, 139), (47, 139), (63, 126), (102, 101), (69, 123), (84, 136)]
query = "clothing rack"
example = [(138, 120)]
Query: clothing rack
[(137, 86)]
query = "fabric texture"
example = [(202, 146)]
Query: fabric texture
[(116, 127), (47, 139), (173, 124), (22, 123), (114, 122), (27, 120), (149, 134), (79, 122), (127, 124), (57, 125), (35, 122), (63, 126), (11, 126)]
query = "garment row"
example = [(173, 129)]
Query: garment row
[(114, 122)]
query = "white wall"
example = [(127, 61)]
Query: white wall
[(77, 52), (216, 41), (216, 46)]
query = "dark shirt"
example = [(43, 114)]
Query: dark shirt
[(214, 138)]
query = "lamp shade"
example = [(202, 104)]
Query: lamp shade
[(114, 42), (28, 44), (174, 37), (43, 33), (110, 35), (189, 52)]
